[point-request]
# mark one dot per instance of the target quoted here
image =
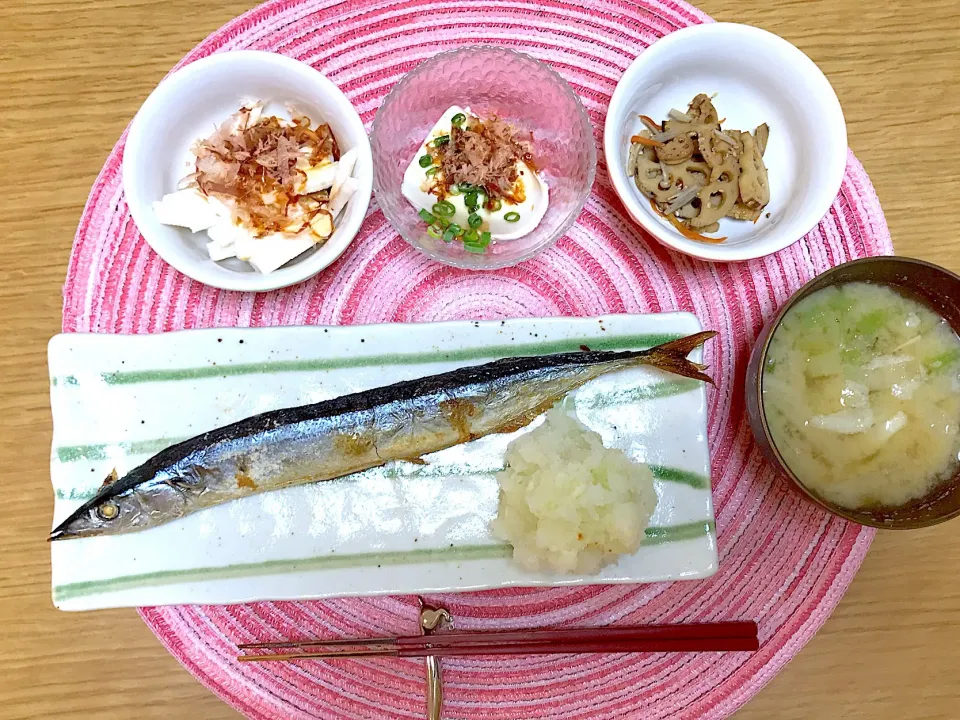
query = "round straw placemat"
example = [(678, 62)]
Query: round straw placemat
[(783, 562)]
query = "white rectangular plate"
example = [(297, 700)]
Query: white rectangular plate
[(403, 528)]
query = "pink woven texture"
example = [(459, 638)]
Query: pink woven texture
[(783, 562)]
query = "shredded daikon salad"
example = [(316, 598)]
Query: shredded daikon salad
[(258, 166), (260, 179), (861, 391)]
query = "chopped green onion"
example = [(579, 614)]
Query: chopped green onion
[(427, 217), (454, 190), (512, 217), (442, 223), (476, 243), (426, 161), (495, 205), (456, 229), (434, 232), (449, 235), (458, 119), (474, 220), (465, 187), (442, 140), (445, 209), (433, 171), (472, 199)]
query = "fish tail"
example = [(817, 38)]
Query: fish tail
[(672, 356)]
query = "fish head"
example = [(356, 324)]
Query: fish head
[(112, 512)]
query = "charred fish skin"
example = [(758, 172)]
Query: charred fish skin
[(351, 433)]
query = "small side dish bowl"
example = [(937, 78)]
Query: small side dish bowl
[(187, 106), (490, 81), (936, 287), (758, 78)]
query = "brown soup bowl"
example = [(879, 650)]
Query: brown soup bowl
[(940, 289)]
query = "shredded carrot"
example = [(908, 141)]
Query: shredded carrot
[(691, 234), (683, 229), (646, 141), (650, 121), (656, 208)]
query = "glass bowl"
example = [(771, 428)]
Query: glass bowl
[(488, 80)]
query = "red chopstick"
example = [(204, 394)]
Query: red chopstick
[(707, 637), (738, 629), (596, 646), (648, 633)]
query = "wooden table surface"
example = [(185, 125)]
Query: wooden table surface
[(72, 74)]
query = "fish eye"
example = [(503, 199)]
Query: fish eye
[(108, 510)]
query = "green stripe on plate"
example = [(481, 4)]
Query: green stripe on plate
[(72, 453), (69, 591), (614, 342), (686, 477), (676, 533), (409, 470), (638, 394)]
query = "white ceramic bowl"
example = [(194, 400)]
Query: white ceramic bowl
[(758, 77), (186, 106)]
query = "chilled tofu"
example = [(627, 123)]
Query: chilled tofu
[(416, 189)]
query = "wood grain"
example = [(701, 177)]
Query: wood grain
[(72, 73)]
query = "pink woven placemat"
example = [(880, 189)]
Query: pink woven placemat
[(783, 562)]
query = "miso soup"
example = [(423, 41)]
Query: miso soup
[(861, 391)]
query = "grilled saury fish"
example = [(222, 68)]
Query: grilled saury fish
[(354, 432)]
